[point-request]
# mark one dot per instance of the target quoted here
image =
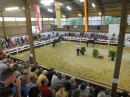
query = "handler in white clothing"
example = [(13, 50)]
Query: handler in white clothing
[(78, 48)]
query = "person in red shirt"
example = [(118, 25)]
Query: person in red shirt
[(46, 92)]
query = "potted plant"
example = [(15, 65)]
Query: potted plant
[(82, 50), (95, 53), (112, 54), (62, 39)]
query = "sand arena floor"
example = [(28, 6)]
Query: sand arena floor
[(63, 58)]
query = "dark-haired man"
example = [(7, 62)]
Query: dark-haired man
[(8, 77)]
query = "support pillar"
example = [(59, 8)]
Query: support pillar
[(125, 4), (42, 22), (101, 24), (29, 29), (3, 24), (1, 48)]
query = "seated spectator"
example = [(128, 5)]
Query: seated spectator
[(3, 64), (6, 92), (73, 84), (108, 93), (101, 94), (56, 81), (68, 89), (34, 92), (42, 76), (24, 81), (32, 82), (46, 92), (76, 93)]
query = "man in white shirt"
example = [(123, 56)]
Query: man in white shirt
[(78, 48)]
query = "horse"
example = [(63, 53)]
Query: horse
[(91, 41), (56, 41)]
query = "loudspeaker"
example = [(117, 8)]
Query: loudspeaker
[(68, 27)]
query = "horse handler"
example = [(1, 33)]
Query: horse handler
[(78, 49)]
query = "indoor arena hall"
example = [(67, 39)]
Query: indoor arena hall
[(64, 48)]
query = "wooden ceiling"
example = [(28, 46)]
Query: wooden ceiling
[(106, 7)]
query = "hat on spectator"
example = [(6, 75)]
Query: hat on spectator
[(83, 85), (6, 73)]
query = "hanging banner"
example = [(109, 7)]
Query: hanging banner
[(58, 13), (86, 14), (38, 17)]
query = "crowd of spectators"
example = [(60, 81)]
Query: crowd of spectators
[(23, 79), (12, 42), (23, 40), (86, 35)]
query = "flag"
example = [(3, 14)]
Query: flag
[(38, 17)]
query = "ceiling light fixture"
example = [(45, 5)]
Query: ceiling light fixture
[(61, 4), (69, 8), (81, 0), (11, 8), (79, 15), (93, 5), (100, 13), (47, 2), (50, 10), (63, 16)]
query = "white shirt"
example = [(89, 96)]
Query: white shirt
[(78, 47)]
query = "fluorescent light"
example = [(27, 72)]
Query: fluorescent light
[(81, 0), (61, 4), (50, 10), (79, 15), (63, 16), (100, 13), (93, 5), (47, 2), (11, 8), (68, 7)]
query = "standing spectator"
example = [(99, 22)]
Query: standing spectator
[(49, 75), (24, 81), (78, 48), (83, 92), (108, 92), (32, 82), (63, 79), (73, 83), (8, 77), (68, 89), (56, 81), (46, 92), (101, 94), (6, 92), (42, 76), (34, 92), (76, 93)]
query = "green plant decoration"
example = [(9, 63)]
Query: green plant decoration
[(82, 50), (95, 53), (112, 54)]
